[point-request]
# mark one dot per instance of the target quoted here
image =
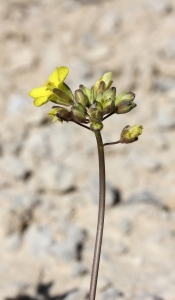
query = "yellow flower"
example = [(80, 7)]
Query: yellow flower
[(60, 114), (130, 134), (54, 89)]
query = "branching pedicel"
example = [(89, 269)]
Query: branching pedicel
[(89, 106)]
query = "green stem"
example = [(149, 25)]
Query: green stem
[(101, 214)]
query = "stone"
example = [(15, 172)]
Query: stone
[(149, 296), (121, 248), (111, 293), (77, 294), (147, 198), (70, 249), (56, 177), (39, 239), (103, 284), (16, 221), (16, 104), (166, 119), (79, 270), (125, 226), (112, 195), (109, 23), (13, 242), (164, 84), (169, 49), (161, 7), (14, 167)]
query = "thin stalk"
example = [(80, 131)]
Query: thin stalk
[(113, 143), (101, 214)]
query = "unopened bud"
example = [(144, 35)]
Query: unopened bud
[(124, 106), (96, 126), (109, 94), (87, 92), (61, 97), (79, 113), (80, 97), (130, 134), (108, 106), (60, 114), (124, 96)]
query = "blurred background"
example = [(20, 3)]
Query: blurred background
[(49, 172)]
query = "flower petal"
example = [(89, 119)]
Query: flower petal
[(41, 100), (59, 75), (40, 92)]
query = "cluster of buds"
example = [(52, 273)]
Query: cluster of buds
[(86, 106)]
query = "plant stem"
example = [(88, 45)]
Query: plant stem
[(101, 213), (113, 143)]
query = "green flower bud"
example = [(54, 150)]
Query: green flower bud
[(124, 96), (130, 134), (60, 114), (95, 126), (95, 114), (106, 78), (101, 87), (99, 106), (109, 94), (99, 97), (79, 113), (108, 106), (124, 106), (61, 97), (87, 92), (80, 97)]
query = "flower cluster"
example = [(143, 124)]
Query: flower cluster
[(86, 106)]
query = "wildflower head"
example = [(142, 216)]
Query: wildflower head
[(86, 106)]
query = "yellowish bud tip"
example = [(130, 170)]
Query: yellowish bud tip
[(130, 134)]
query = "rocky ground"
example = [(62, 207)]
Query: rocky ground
[(49, 172)]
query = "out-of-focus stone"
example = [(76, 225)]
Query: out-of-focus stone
[(92, 191), (109, 23), (39, 239), (147, 198), (77, 294), (159, 6), (125, 226), (166, 119), (14, 167), (79, 270), (112, 293), (70, 249), (164, 84), (149, 296), (13, 242), (56, 177)]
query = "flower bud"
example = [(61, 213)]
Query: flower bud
[(124, 106), (79, 113), (95, 114), (101, 87), (87, 92), (130, 134), (99, 97), (80, 97), (60, 114), (96, 127), (108, 106), (106, 78), (61, 97), (124, 96), (109, 94)]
